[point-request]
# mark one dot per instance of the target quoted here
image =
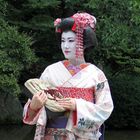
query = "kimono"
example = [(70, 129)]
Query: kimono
[(93, 106)]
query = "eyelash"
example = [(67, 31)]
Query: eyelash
[(69, 40)]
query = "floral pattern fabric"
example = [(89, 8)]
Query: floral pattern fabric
[(90, 115)]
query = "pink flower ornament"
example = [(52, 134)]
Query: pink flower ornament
[(57, 21), (84, 19)]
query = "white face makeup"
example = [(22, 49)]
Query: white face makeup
[(68, 45)]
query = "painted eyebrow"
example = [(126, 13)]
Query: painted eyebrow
[(69, 38)]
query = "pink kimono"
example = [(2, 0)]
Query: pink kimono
[(94, 104)]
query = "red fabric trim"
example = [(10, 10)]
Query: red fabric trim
[(27, 113), (74, 117), (84, 93)]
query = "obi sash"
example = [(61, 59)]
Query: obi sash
[(59, 119), (72, 92)]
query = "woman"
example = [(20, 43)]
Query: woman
[(87, 101)]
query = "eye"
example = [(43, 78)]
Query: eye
[(71, 40), (62, 40)]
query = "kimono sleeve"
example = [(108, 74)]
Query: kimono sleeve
[(26, 120), (26, 107), (44, 75), (90, 116)]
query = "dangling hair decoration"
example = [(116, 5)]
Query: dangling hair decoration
[(56, 23), (81, 21)]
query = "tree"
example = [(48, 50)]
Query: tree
[(117, 30), (15, 56), (118, 33)]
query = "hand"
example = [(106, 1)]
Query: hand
[(67, 103), (38, 100)]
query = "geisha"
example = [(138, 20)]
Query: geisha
[(87, 99)]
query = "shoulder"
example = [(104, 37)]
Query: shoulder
[(98, 73), (54, 65), (95, 68), (49, 68)]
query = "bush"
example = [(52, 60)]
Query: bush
[(15, 56), (126, 92)]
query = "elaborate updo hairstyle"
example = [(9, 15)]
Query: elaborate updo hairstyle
[(83, 24)]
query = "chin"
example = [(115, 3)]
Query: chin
[(67, 57)]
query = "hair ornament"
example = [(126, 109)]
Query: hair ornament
[(56, 23), (82, 20)]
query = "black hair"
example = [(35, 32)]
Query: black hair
[(66, 24), (89, 36)]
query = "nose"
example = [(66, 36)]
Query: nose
[(66, 45)]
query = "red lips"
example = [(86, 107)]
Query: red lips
[(67, 52)]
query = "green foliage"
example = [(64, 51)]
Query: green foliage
[(126, 92), (28, 13), (36, 18), (3, 6), (117, 30), (43, 4), (9, 85), (135, 7), (118, 33), (75, 5), (15, 56)]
